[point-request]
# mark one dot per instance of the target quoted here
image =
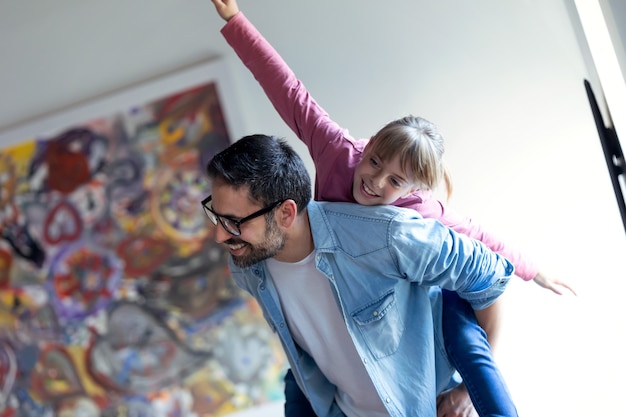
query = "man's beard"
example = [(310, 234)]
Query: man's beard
[(274, 242)]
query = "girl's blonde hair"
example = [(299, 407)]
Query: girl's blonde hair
[(419, 145)]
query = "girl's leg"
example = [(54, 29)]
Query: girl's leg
[(296, 403), (470, 353)]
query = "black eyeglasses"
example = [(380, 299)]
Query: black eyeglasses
[(233, 226)]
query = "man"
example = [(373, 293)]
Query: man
[(350, 290)]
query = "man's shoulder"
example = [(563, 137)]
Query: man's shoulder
[(386, 212), (348, 223)]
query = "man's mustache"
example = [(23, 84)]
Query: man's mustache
[(233, 241)]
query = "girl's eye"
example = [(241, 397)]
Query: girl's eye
[(373, 162), (395, 182)]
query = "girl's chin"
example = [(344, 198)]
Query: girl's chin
[(364, 195)]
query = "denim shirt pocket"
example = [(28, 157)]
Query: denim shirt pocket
[(380, 325)]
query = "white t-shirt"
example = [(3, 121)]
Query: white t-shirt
[(317, 326)]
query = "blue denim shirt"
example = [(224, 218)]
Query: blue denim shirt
[(385, 266)]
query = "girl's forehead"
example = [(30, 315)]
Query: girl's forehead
[(386, 149)]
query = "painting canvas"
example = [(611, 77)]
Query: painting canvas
[(114, 298)]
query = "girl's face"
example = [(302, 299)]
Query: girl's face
[(380, 182)]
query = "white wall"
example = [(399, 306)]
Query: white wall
[(502, 79), (615, 16)]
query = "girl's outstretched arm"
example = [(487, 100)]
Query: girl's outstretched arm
[(332, 149)]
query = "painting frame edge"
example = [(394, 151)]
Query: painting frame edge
[(213, 70)]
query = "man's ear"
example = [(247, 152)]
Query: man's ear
[(286, 214)]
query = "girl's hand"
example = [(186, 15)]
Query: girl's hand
[(226, 8), (455, 403), (553, 285)]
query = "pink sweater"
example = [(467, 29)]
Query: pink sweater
[(334, 152)]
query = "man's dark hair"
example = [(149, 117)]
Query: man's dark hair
[(269, 166)]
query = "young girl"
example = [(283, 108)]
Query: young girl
[(399, 165)]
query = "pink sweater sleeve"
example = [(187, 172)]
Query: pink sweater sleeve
[(334, 152), (287, 94)]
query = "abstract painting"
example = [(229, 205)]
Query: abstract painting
[(114, 298)]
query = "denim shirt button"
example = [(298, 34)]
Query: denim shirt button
[(262, 287), (387, 400), (365, 361), (375, 313), (281, 325)]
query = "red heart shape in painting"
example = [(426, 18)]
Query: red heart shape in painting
[(62, 224), (142, 254), (55, 375)]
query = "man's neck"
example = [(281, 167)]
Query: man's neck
[(299, 241)]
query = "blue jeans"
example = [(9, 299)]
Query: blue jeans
[(296, 403), (470, 353)]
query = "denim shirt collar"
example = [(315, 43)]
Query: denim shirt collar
[(323, 236)]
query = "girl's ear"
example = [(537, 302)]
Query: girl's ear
[(286, 214)]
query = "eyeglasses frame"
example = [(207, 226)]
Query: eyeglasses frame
[(236, 223)]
